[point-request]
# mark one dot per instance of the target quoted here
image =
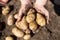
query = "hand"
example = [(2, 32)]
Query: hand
[(39, 6), (25, 4), (3, 2)]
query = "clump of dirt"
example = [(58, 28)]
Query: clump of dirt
[(49, 32)]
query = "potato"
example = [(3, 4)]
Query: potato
[(33, 26), (22, 24), (27, 36), (31, 11), (40, 20), (5, 10), (9, 38), (30, 18), (17, 24), (30, 15), (18, 33), (10, 20), (16, 16)]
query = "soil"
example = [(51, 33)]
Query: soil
[(49, 32)]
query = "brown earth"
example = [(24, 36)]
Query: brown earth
[(49, 32)]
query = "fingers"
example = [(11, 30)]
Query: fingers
[(25, 4), (47, 21), (43, 11), (20, 14), (2, 2), (47, 17), (19, 18), (46, 13), (5, 1)]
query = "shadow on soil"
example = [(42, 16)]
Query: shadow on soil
[(56, 7)]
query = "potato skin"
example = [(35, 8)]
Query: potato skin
[(27, 36), (18, 33), (17, 24), (22, 24), (33, 26), (30, 15), (16, 16), (40, 20), (5, 10), (9, 38), (31, 11), (30, 18), (10, 20)]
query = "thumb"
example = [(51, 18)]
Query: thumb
[(19, 17)]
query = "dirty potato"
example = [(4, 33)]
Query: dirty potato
[(9, 38), (27, 37), (30, 16), (40, 20), (16, 16), (33, 26), (10, 20), (17, 24), (22, 24), (18, 33), (31, 11), (5, 10)]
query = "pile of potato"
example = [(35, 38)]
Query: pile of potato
[(5, 10), (28, 23)]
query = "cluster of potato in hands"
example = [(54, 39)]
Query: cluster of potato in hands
[(27, 24)]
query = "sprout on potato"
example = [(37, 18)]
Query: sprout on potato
[(17, 32), (5, 10), (10, 20), (40, 20)]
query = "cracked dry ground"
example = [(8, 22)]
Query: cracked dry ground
[(49, 32)]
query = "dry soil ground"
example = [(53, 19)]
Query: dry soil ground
[(49, 32)]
